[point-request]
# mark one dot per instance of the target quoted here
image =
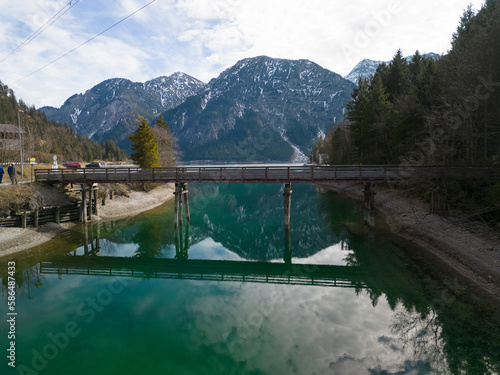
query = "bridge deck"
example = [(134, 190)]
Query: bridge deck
[(260, 174)]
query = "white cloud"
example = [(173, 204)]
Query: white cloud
[(202, 37)]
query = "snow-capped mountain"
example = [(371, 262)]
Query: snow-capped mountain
[(366, 68), (109, 109), (260, 109)]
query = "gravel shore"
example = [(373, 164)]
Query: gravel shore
[(13, 240), (472, 250)]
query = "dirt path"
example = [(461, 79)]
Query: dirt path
[(13, 240), (472, 250)]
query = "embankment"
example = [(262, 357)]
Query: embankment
[(471, 249), (13, 240)]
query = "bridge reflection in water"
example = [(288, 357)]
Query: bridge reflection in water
[(93, 264)]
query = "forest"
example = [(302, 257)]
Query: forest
[(428, 111), (44, 138)]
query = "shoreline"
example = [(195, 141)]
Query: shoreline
[(15, 240), (471, 250)]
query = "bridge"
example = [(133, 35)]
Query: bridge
[(253, 173), (260, 174)]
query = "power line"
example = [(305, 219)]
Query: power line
[(88, 41), (42, 28)]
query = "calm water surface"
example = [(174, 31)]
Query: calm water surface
[(231, 293)]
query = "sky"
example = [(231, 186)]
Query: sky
[(204, 37)]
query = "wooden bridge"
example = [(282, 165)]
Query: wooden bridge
[(181, 176), (260, 174)]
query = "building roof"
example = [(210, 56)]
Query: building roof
[(9, 128)]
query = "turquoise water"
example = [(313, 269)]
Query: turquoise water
[(232, 293)]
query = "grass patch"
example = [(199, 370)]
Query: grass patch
[(14, 198)]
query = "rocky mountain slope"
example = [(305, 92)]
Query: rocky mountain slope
[(109, 109), (260, 109)]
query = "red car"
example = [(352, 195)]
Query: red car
[(71, 164)]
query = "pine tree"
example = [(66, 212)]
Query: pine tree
[(464, 29), (144, 145)]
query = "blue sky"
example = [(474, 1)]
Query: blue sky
[(204, 37)]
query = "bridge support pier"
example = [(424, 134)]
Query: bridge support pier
[(180, 191), (83, 206), (181, 243), (288, 199), (288, 248), (89, 205), (95, 190), (369, 201)]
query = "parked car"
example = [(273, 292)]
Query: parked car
[(93, 165), (72, 164)]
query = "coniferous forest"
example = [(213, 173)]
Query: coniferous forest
[(427, 111), (44, 138)]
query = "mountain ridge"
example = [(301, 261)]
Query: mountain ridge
[(261, 108), (109, 109)]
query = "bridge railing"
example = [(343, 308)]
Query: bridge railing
[(261, 173)]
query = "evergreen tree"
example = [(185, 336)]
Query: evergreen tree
[(464, 29), (144, 145)]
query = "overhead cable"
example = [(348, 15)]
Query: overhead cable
[(42, 28), (88, 41)]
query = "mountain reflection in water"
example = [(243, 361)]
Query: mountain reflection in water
[(234, 293)]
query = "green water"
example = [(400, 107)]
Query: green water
[(231, 293)]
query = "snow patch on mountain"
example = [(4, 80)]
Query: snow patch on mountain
[(74, 115), (298, 155)]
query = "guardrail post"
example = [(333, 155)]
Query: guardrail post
[(58, 215), (24, 219), (35, 218)]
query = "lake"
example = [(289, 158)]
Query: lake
[(232, 293)]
